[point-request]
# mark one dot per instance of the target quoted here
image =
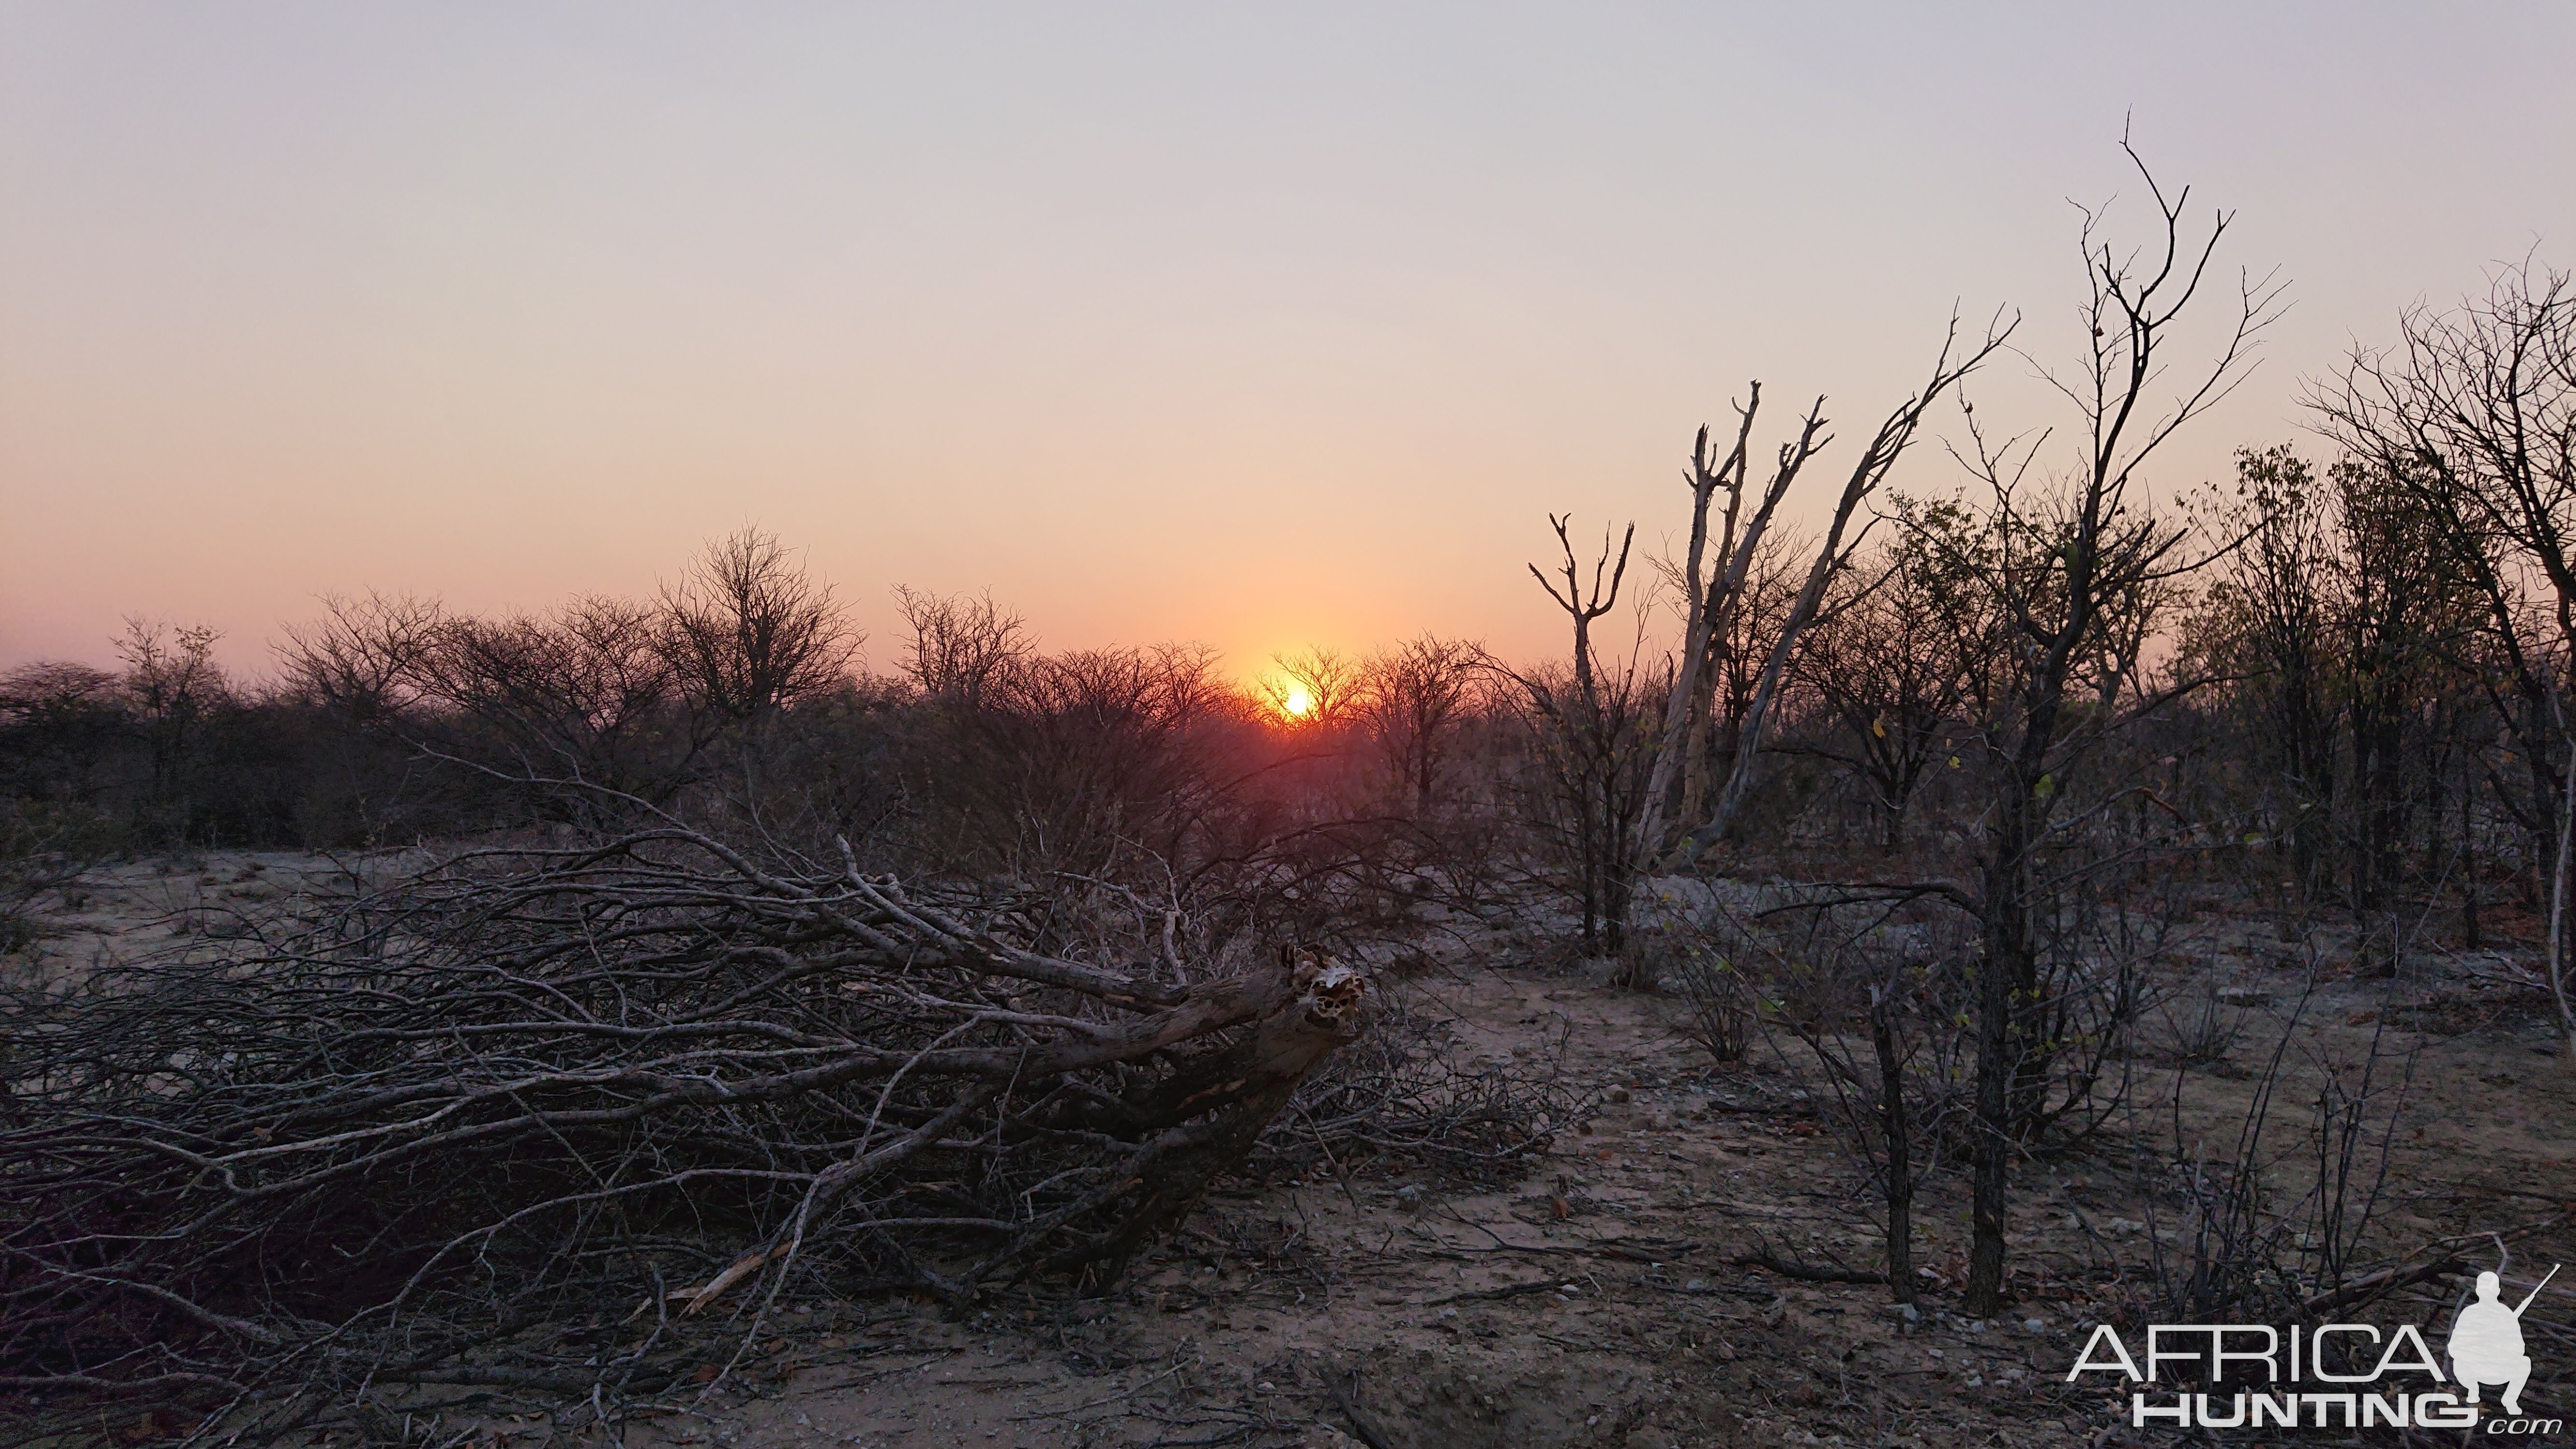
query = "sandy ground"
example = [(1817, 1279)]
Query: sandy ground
[(144, 905), (1597, 1301)]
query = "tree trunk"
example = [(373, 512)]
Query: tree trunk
[(1898, 1130), (2558, 911), (2468, 858), (2007, 954)]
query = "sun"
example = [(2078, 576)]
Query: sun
[(1299, 702)]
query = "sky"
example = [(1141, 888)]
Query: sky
[(1261, 326)]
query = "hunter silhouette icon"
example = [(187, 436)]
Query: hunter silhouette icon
[(2486, 1342)]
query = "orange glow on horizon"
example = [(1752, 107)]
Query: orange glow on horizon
[(1315, 352)]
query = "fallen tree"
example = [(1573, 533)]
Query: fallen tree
[(620, 1081)]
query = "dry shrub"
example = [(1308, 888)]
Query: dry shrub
[(1719, 993), (1410, 1093)]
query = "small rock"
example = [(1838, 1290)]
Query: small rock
[(2244, 996), (2033, 1325)]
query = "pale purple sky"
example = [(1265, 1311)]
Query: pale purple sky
[(1255, 325)]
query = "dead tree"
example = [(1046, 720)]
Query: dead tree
[(638, 1081), (1730, 672), (1710, 597), (1587, 729), (1868, 472), (1711, 601)]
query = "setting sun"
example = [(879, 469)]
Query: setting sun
[(1299, 701)]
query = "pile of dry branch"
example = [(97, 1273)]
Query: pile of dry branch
[(620, 1083), (1414, 1093)]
